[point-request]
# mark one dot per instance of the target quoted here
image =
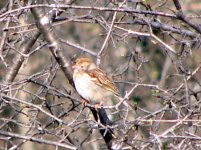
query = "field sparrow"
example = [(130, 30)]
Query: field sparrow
[(92, 83)]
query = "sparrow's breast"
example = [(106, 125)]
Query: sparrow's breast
[(88, 89)]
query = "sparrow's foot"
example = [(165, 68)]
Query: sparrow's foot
[(84, 102)]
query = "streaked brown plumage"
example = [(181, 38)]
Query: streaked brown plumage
[(92, 83)]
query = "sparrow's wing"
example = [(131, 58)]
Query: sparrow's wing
[(101, 79)]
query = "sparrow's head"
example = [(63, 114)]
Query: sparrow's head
[(84, 64)]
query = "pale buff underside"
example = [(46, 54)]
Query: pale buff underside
[(91, 91)]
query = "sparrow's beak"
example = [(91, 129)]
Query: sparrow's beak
[(74, 66)]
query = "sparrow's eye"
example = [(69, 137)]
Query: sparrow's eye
[(82, 67)]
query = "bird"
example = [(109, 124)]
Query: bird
[(92, 83)]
